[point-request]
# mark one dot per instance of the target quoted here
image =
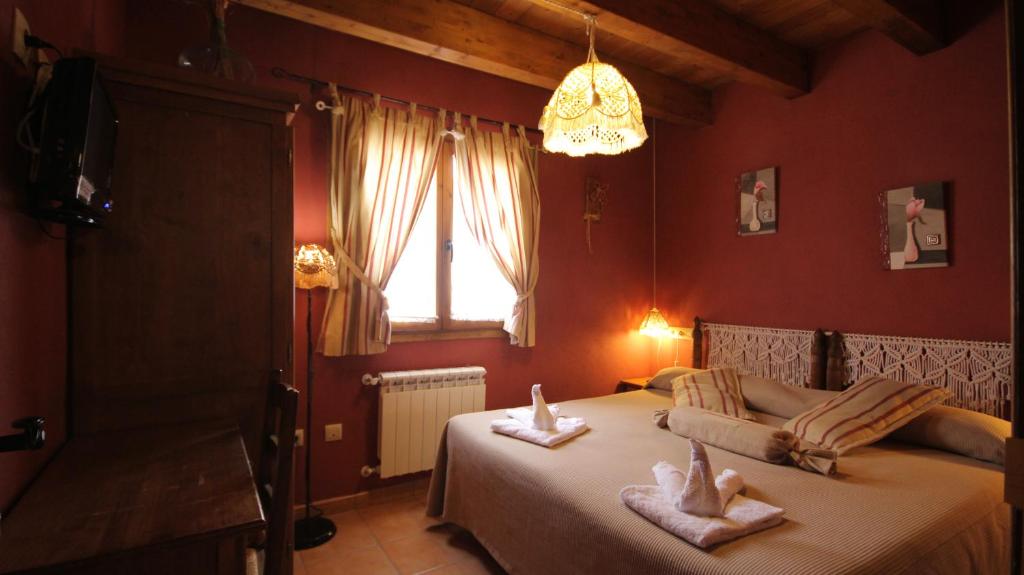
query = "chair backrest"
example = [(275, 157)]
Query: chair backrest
[(275, 473)]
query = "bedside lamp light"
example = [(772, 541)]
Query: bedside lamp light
[(655, 325)]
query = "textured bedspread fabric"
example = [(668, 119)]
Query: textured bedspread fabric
[(892, 508)]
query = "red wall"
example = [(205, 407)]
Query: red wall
[(33, 312), (587, 304), (878, 118)]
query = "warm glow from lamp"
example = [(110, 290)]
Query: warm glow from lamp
[(595, 110), (655, 325), (314, 267)]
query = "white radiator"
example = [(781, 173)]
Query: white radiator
[(414, 407)]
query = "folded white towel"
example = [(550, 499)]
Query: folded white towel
[(565, 428), (742, 516), (542, 418), (695, 507), (524, 415), (729, 483), (671, 481)]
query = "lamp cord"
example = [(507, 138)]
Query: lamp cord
[(591, 34), (588, 17), (654, 212)]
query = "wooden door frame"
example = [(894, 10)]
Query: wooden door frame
[(1015, 61)]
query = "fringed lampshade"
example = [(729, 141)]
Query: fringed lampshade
[(314, 267), (595, 110), (655, 325)]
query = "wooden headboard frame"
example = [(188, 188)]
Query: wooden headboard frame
[(795, 357), (978, 374)]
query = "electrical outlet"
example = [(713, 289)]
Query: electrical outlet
[(19, 29), (300, 437), (332, 432)]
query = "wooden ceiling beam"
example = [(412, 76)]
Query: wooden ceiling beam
[(456, 33), (917, 25), (699, 32)]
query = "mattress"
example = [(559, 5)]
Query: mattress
[(893, 508)]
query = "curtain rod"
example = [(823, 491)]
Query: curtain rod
[(315, 84)]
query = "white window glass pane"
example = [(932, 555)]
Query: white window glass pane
[(479, 290), (412, 290)]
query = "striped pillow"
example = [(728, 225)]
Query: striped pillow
[(864, 413), (713, 389)]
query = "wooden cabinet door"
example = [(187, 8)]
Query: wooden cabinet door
[(182, 302)]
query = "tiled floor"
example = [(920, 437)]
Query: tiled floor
[(396, 538)]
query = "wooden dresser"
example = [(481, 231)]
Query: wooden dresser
[(179, 308), (183, 301)]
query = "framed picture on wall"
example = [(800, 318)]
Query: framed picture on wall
[(914, 235), (758, 202)]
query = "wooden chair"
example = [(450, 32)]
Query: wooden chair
[(274, 479)]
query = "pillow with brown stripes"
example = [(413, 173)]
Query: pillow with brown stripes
[(715, 389), (863, 413)]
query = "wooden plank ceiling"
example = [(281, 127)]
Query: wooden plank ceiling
[(675, 52)]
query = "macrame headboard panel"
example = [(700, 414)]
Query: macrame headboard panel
[(977, 374), (791, 356)]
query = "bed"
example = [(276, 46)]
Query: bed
[(893, 508)]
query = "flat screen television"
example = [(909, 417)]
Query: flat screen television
[(71, 181)]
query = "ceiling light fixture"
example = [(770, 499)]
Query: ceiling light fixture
[(595, 110)]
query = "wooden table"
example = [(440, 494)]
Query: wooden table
[(631, 384), (164, 500)]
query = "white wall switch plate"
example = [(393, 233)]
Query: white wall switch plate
[(19, 29), (332, 432), (300, 437)]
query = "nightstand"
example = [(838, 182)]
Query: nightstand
[(631, 384)]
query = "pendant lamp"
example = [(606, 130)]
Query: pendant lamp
[(654, 324), (595, 110)]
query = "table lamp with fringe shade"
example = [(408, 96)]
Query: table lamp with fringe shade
[(314, 268)]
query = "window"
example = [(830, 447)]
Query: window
[(445, 284)]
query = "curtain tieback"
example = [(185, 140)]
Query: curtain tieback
[(342, 255), (521, 298)]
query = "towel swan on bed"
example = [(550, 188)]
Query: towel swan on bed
[(540, 423), (542, 417), (702, 511)]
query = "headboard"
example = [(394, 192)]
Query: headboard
[(978, 374), (792, 356)]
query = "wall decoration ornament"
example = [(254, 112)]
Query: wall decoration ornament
[(758, 202), (595, 196), (914, 227)]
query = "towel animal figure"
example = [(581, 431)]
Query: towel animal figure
[(704, 525), (542, 418), (673, 483), (539, 423), (700, 494)]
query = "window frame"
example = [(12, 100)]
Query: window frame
[(444, 327)]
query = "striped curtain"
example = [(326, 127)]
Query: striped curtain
[(496, 177), (382, 163)]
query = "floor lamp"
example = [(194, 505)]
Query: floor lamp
[(314, 267)]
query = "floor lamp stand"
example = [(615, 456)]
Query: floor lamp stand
[(311, 531)]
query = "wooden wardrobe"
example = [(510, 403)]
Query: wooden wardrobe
[(182, 303)]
